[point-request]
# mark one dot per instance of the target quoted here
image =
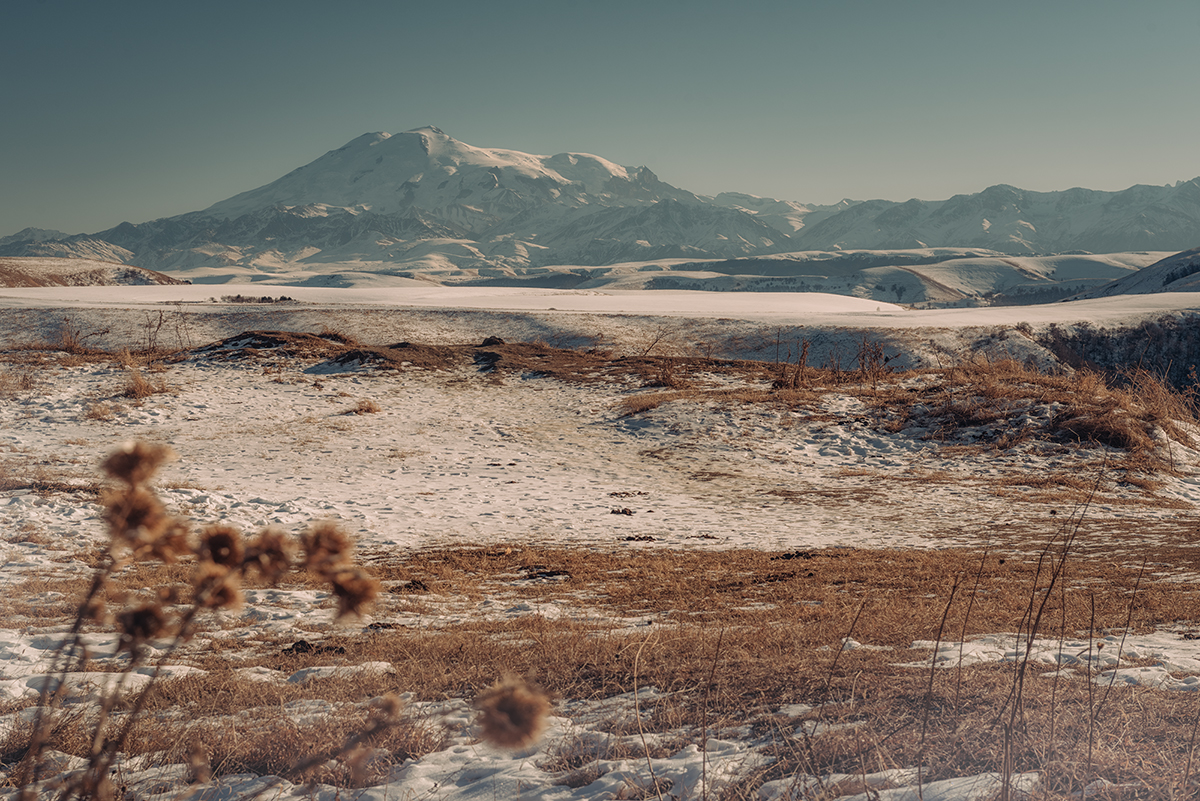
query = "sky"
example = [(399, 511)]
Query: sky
[(131, 111)]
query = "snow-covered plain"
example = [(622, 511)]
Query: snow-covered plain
[(455, 457)]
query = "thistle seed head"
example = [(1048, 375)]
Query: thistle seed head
[(140, 625), (134, 462), (512, 713), (271, 554), (221, 544), (326, 547), (355, 590), (217, 587)]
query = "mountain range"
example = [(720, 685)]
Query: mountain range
[(422, 205)]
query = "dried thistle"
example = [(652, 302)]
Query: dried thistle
[(136, 519), (512, 713), (354, 588), (217, 587), (326, 547), (199, 766), (95, 609), (134, 462), (271, 554), (172, 543), (138, 626), (387, 707), (221, 544)]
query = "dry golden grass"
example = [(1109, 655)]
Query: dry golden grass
[(365, 406), (1134, 412), (16, 382), (44, 479), (138, 387), (734, 636)]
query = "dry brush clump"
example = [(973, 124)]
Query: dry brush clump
[(138, 387), (998, 405), (365, 406)]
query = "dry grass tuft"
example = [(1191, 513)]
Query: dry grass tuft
[(16, 382), (138, 387), (365, 406), (18, 474), (100, 411)]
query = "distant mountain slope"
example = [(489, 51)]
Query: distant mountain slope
[(1177, 273), (423, 205), (32, 235), (31, 271), (1018, 221)]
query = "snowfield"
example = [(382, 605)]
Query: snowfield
[(411, 458)]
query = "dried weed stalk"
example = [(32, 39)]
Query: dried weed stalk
[(140, 531)]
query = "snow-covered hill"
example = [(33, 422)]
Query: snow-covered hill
[(33, 271), (1176, 273), (921, 276), (421, 205)]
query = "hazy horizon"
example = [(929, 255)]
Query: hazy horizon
[(134, 111)]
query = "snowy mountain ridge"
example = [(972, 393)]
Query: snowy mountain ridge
[(423, 205)]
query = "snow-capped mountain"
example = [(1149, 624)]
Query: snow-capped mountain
[(421, 204)]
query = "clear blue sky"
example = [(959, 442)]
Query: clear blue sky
[(117, 111)]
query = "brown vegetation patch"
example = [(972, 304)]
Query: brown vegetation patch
[(16, 382), (726, 638), (138, 386), (18, 474), (293, 344)]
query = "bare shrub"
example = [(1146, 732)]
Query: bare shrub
[(72, 336), (666, 375), (793, 377)]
